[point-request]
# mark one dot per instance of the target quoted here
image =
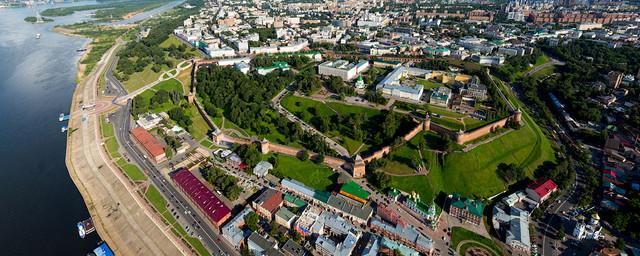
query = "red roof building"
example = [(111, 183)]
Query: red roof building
[(151, 145), (541, 189), (268, 203), (214, 209)]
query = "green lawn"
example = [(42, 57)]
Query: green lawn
[(140, 79), (160, 204), (450, 123), (106, 127), (459, 234), (428, 85), (168, 85), (173, 40), (199, 128), (311, 174), (112, 147), (133, 172)]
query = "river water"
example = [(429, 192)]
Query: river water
[(39, 204)]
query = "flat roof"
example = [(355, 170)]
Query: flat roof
[(215, 209), (354, 189)]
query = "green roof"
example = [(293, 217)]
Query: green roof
[(354, 189), (294, 200), (475, 207), (322, 196), (285, 213), (394, 192)]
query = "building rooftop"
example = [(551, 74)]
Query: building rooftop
[(215, 209), (262, 168), (352, 188), (475, 207), (543, 186), (361, 211), (285, 214), (298, 187), (270, 200), (292, 248), (294, 200), (150, 143)]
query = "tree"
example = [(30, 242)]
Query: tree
[(319, 158), (560, 235), (304, 155), (249, 154), (381, 180), (510, 172), (251, 221), (621, 244)]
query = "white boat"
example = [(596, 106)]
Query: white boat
[(81, 230), (38, 36)]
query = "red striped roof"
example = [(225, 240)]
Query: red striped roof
[(150, 143), (215, 209)]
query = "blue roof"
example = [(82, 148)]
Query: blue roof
[(103, 250)]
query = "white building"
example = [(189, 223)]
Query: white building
[(488, 60), (262, 169), (220, 52), (392, 84), (148, 120), (343, 69)]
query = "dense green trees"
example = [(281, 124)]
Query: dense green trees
[(627, 220), (139, 54), (243, 98), (251, 221), (336, 85), (435, 64), (264, 33), (375, 97), (561, 173), (510, 172), (226, 184), (268, 60), (308, 84), (249, 154), (177, 114)]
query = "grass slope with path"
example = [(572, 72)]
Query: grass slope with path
[(466, 239)]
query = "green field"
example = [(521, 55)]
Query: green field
[(140, 79), (160, 204), (168, 85), (473, 173), (199, 128), (133, 172), (311, 174), (106, 127), (173, 40), (428, 85), (459, 234)]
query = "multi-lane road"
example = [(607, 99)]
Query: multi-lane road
[(191, 218)]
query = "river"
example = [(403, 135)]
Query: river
[(40, 204)]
